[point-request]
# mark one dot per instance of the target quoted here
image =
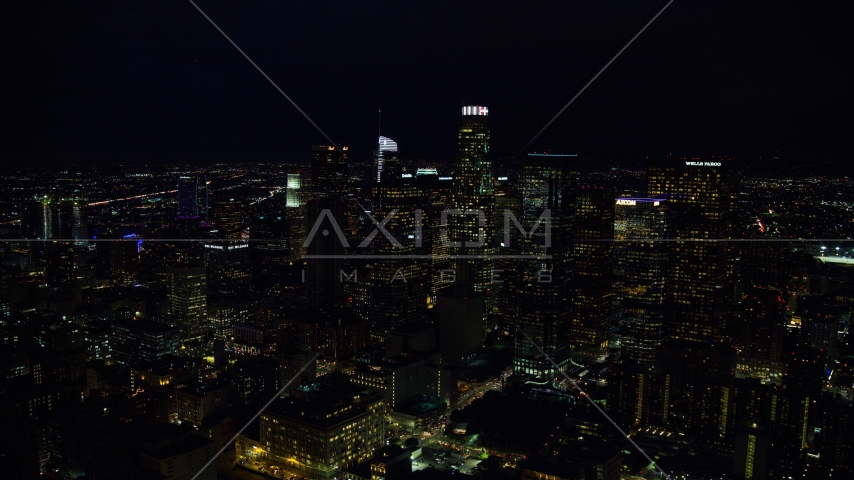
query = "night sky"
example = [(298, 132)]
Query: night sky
[(131, 81)]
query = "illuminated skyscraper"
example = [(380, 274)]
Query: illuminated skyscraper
[(298, 193), (395, 290), (640, 273), (543, 305), (188, 196), (472, 205), (387, 149), (329, 171), (228, 273), (229, 218), (592, 255), (188, 301), (293, 198), (701, 193), (49, 217), (228, 284), (326, 224)]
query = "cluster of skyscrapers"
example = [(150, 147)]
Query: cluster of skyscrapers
[(691, 334)]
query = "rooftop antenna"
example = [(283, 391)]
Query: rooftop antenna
[(379, 122)]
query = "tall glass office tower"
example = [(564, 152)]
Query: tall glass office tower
[(702, 193), (640, 271), (188, 196), (387, 148), (543, 306), (470, 221)]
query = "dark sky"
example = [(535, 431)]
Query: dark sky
[(133, 81)]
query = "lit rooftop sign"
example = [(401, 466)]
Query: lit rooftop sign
[(703, 164), (636, 200), (475, 110)]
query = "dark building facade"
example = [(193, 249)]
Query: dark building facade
[(543, 306)]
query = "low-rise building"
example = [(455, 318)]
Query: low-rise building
[(324, 430), (198, 403)]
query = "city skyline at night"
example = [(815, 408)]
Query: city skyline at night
[(217, 262)]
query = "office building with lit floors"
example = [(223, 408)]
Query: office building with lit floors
[(471, 208), (386, 152), (137, 341), (321, 432), (640, 275), (297, 195), (228, 284), (228, 272), (329, 169), (702, 195), (229, 217), (752, 450), (188, 301), (591, 271), (542, 304), (639, 395), (395, 290)]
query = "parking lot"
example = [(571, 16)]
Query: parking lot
[(442, 460)]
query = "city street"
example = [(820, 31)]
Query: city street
[(260, 469)]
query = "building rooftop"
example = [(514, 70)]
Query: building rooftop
[(319, 412), (146, 326)]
